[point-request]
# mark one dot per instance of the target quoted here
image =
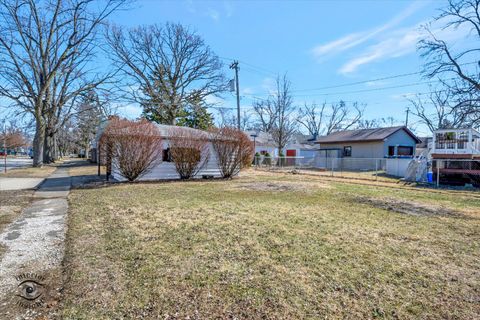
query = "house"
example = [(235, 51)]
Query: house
[(263, 142), (456, 156), (299, 148), (369, 143), (165, 169)]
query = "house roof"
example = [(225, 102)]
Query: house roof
[(263, 139), (297, 141), (166, 131), (362, 135)]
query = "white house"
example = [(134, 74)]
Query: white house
[(298, 146), (165, 169)]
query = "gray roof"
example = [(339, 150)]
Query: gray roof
[(166, 131), (361, 135), (263, 139)]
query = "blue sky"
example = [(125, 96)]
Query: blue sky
[(318, 43)]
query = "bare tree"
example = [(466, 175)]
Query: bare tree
[(312, 117), (266, 113), (133, 148), (233, 150), (325, 119), (276, 113), (45, 47), (167, 66), (444, 60), (228, 119), (189, 150), (376, 123), (438, 112)]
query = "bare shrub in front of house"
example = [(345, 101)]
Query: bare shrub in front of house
[(133, 148), (233, 149), (188, 150)]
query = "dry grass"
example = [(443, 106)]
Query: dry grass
[(85, 168), (31, 172), (227, 249)]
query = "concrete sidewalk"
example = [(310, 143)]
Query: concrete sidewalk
[(35, 241), (19, 183)]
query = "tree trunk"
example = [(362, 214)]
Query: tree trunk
[(38, 142), (50, 153)]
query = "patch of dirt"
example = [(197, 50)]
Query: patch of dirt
[(272, 186), (410, 208)]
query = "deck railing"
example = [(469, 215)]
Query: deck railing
[(456, 141)]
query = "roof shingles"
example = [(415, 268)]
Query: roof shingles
[(361, 135)]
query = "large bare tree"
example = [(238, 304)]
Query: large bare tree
[(439, 111), (166, 67), (327, 118), (457, 66), (45, 50), (276, 114)]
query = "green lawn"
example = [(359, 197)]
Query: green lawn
[(271, 245)]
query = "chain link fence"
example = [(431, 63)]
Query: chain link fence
[(456, 172), (356, 168)]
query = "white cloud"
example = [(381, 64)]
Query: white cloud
[(401, 42), (214, 100), (355, 39)]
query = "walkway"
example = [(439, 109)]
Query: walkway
[(34, 243)]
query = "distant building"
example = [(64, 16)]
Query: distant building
[(300, 145), (369, 143)]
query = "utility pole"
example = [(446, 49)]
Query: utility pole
[(5, 143), (234, 66), (406, 120)]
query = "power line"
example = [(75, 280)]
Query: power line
[(263, 70)]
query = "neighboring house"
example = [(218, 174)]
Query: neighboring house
[(369, 143), (263, 142), (300, 145), (424, 145), (165, 169), (456, 156)]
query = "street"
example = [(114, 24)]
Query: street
[(15, 163)]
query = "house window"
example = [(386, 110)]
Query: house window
[(166, 156), (391, 151), (347, 151), (404, 151)]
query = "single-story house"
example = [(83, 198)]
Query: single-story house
[(360, 149), (370, 143), (299, 145), (301, 148), (165, 169), (263, 142)]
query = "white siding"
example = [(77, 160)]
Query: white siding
[(166, 170)]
